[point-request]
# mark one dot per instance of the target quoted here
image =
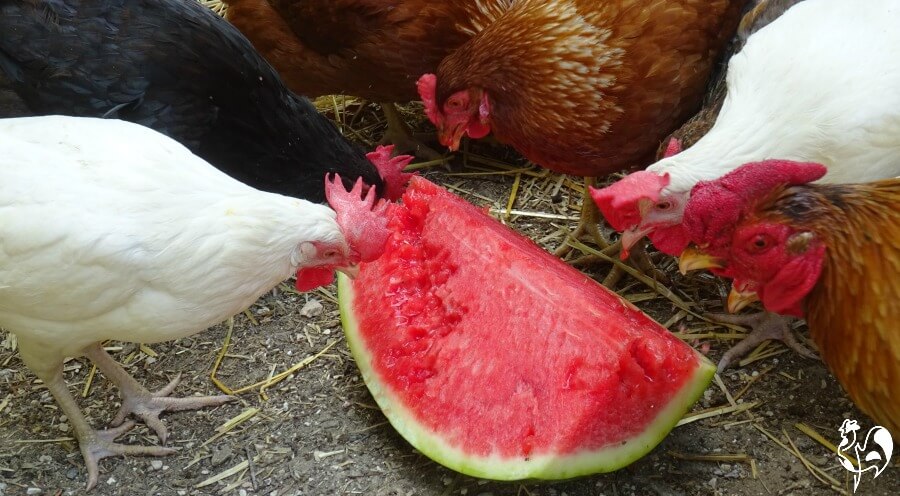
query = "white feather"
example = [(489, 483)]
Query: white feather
[(109, 230), (819, 84)]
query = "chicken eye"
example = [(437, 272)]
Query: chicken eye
[(331, 254), (760, 242), (454, 104), (663, 206)]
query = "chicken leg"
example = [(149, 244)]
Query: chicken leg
[(399, 134), (95, 445), (765, 326), (588, 223), (142, 403)]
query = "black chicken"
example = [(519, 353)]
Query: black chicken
[(176, 67)]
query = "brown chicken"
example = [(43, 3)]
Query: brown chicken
[(374, 49), (581, 87), (829, 251)]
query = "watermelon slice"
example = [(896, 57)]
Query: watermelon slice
[(498, 360)]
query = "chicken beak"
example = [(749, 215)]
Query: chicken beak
[(451, 138), (350, 271), (737, 300), (692, 259), (631, 236)]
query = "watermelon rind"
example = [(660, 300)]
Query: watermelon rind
[(545, 467)]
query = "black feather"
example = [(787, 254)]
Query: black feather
[(177, 67)]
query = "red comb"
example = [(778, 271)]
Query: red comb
[(619, 201), (363, 221), (427, 86), (391, 170), (716, 206)]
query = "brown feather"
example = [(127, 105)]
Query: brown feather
[(854, 310), (375, 49)]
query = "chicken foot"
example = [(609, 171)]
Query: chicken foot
[(765, 326), (95, 445), (588, 223), (140, 402), (399, 134)]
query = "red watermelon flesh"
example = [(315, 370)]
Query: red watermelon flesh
[(497, 359)]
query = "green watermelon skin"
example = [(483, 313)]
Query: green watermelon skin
[(498, 360)]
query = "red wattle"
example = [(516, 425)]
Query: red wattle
[(312, 278)]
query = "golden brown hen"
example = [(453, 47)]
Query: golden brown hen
[(581, 87), (831, 251)]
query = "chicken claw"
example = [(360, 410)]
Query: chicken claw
[(765, 326), (143, 404), (97, 445), (148, 406)]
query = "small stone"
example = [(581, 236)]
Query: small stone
[(156, 464), (45, 459), (242, 492), (111, 481), (72, 473), (804, 443), (447, 481), (63, 427), (33, 490), (220, 456), (312, 308)]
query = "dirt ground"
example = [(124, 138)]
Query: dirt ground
[(319, 432)]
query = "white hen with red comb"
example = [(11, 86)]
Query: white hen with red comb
[(110, 230)]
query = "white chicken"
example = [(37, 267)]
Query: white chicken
[(795, 91), (110, 230), (817, 84)]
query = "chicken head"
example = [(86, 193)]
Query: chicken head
[(466, 111), (716, 207), (639, 205)]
